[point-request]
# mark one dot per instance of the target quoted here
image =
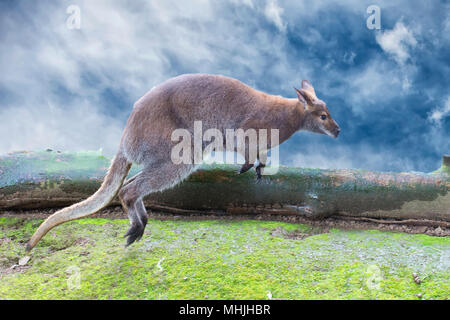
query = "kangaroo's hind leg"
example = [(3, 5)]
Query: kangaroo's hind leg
[(138, 219), (154, 177), (136, 212)]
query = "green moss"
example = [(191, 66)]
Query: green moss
[(442, 170), (220, 260), (41, 166)]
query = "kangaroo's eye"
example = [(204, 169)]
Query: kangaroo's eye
[(323, 117)]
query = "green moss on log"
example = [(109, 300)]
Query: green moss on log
[(51, 178)]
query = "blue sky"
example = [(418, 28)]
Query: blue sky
[(73, 89)]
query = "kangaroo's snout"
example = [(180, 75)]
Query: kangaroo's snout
[(336, 132)]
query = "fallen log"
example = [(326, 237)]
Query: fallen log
[(30, 180)]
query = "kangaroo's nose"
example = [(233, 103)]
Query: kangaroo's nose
[(336, 132)]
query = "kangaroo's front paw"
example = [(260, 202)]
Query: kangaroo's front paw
[(245, 167)]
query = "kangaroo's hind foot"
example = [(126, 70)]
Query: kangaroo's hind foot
[(155, 177), (138, 217)]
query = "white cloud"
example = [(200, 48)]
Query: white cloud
[(311, 36), (437, 134), (437, 115), (120, 48), (397, 42), (74, 127), (248, 3), (273, 12), (374, 83)]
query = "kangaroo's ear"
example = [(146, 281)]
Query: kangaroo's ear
[(307, 85), (309, 89), (302, 97)]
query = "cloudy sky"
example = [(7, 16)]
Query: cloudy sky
[(72, 89)]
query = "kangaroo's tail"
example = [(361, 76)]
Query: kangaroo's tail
[(117, 173)]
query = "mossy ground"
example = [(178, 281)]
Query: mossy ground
[(219, 259)]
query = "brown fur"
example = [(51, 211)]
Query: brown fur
[(219, 102)]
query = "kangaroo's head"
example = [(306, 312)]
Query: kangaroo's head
[(317, 117)]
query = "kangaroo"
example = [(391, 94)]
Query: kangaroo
[(219, 102)]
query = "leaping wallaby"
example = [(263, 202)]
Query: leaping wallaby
[(219, 102)]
